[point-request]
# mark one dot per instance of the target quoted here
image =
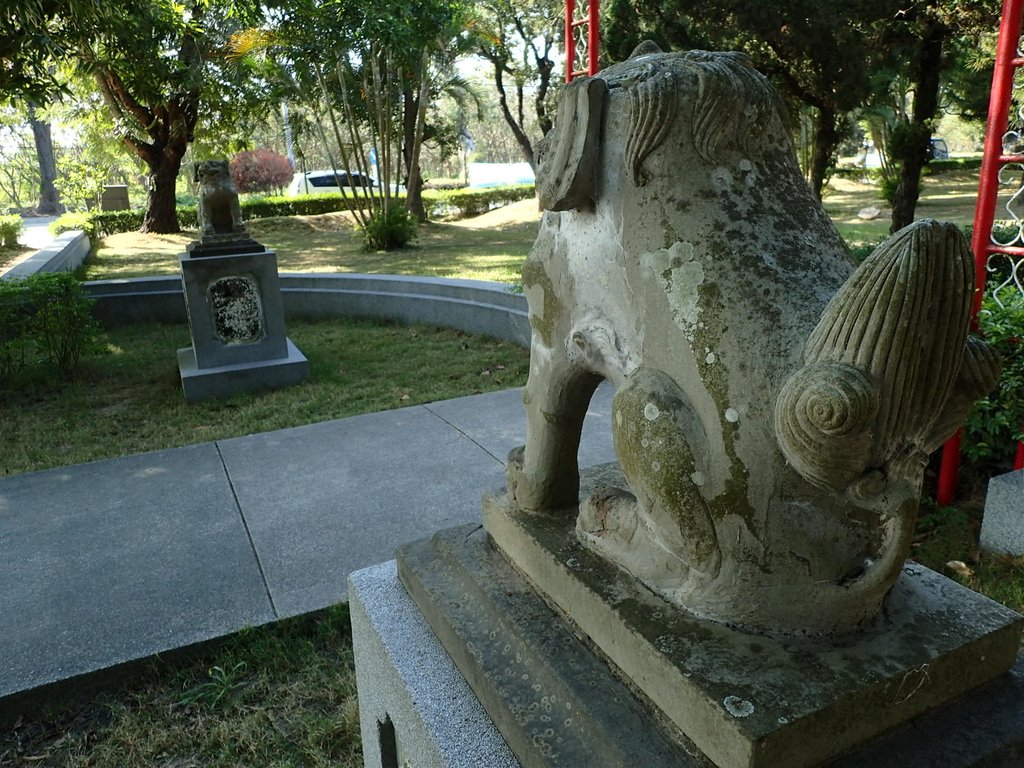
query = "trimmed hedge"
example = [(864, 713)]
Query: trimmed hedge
[(953, 164), (458, 203), (933, 167)]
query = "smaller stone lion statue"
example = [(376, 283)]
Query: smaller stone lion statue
[(219, 212)]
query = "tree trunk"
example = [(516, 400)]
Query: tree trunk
[(517, 130), (413, 179), (161, 205), (826, 137), (915, 149), (49, 199)]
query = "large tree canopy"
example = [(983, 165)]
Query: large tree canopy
[(34, 35), (153, 64), (817, 50), (520, 40), (832, 55)]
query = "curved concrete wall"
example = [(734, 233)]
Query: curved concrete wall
[(473, 306), (65, 254)]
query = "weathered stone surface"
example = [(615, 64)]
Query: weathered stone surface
[(223, 381), (220, 216), (1002, 528), (982, 729), (750, 700), (413, 703), (774, 405), (549, 695)]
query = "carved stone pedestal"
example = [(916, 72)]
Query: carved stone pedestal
[(650, 679), (750, 701), (236, 320)]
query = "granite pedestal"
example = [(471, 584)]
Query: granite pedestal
[(236, 319), (1002, 528), (557, 701)]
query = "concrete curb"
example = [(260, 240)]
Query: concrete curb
[(474, 306), (65, 254)]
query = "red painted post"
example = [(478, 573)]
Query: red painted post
[(992, 162), (993, 159), (592, 38), (570, 39)]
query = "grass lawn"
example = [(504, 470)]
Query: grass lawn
[(11, 256), (945, 196), (280, 695), (488, 247), (128, 399)]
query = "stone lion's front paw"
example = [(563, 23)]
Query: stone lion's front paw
[(514, 477)]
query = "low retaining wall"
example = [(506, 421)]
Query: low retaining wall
[(473, 306), (65, 254)]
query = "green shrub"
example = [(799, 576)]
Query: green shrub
[(462, 203), (44, 318), (997, 422), (62, 318), (861, 249), (952, 164), (390, 230), (15, 334), (10, 229), (71, 221)]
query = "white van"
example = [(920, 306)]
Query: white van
[(325, 182)]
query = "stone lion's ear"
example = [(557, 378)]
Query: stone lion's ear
[(569, 156)]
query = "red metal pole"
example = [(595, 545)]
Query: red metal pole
[(992, 160), (570, 39), (1018, 462), (592, 38), (984, 213)]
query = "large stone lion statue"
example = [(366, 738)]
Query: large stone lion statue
[(774, 405)]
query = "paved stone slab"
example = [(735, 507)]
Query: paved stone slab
[(497, 421), (413, 703), (1002, 527), (324, 500), (117, 560), (758, 701)]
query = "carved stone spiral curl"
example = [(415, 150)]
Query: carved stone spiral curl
[(824, 419)]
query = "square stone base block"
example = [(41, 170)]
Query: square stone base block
[(750, 700), (1002, 527), (414, 706), (734, 700), (228, 380)]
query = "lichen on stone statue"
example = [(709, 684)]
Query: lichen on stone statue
[(219, 214), (774, 404)]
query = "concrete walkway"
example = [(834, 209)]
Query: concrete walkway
[(113, 561)]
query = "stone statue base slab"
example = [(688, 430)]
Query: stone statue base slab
[(236, 378), (497, 629), (223, 245), (749, 700), (558, 702)]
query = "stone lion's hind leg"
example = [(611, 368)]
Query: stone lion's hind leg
[(662, 532), (544, 475)]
